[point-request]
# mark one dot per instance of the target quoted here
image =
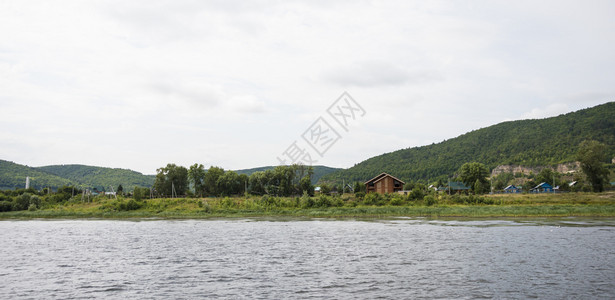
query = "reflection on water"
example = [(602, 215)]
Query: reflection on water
[(398, 258)]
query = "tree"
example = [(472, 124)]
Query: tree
[(472, 172), (592, 155), (196, 176), (258, 183), (169, 177), (409, 186), (138, 193), (546, 175), (502, 180), (120, 189), (229, 183), (325, 189), (243, 180), (359, 187), (210, 181), (306, 186)]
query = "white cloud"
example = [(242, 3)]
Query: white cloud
[(376, 73), (233, 83)]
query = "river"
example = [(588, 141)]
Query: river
[(280, 259)]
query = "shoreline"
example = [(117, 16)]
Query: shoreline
[(498, 206), (369, 212)]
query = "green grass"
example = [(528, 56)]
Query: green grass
[(523, 205)]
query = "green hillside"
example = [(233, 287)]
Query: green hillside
[(525, 142), (14, 175), (319, 171), (99, 177)]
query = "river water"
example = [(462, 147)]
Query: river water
[(342, 259)]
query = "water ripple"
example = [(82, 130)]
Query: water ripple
[(383, 259)]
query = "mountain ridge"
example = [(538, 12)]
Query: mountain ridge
[(13, 176), (530, 142)]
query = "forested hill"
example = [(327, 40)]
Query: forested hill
[(525, 142), (14, 175), (99, 177), (319, 171)]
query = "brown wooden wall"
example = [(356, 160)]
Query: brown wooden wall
[(384, 186)]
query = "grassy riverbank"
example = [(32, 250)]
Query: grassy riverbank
[(520, 205)]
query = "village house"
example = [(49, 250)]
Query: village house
[(512, 189), (454, 187), (384, 184), (543, 188)]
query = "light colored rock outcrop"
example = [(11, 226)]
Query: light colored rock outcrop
[(565, 168)]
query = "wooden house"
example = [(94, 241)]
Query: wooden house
[(384, 184)]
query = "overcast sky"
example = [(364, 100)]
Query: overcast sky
[(235, 84)]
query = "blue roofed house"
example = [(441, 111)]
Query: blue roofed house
[(543, 188), (512, 189)]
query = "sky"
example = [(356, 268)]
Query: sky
[(243, 84)]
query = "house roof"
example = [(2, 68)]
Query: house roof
[(511, 187), (382, 176), (543, 185), (457, 185)]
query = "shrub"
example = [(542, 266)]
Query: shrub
[(430, 200), (32, 207), (206, 207), (5, 206), (23, 201), (307, 202), (323, 201), (417, 193), (120, 205), (397, 200), (372, 199), (268, 201), (227, 202), (337, 201), (132, 204)]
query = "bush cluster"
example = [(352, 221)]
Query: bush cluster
[(122, 205)]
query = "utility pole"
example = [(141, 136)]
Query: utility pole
[(553, 187), (114, 193), (491, 183)]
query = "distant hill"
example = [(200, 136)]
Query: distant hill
[(319, 171), (100, 177), (14, 175), (525, 142)]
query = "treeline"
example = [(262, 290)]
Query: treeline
[(173, 181), (541, 142), (31, 199)]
